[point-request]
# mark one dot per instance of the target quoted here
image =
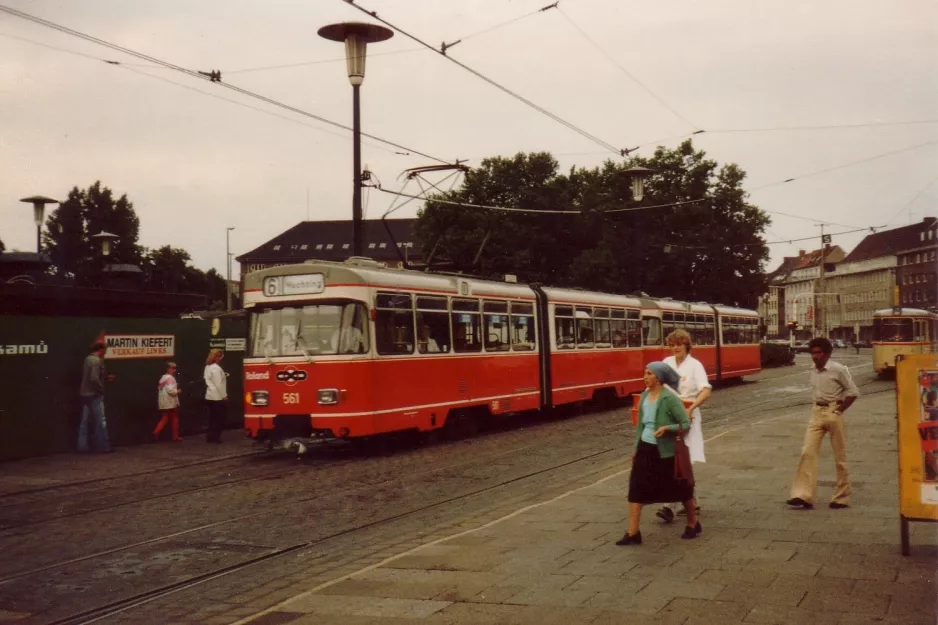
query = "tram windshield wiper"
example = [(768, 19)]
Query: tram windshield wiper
[(299, 339)]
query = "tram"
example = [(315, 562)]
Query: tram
[(355, 349), (899, 331)]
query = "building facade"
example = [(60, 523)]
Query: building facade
[(391, 241), (862, 286), (917, 266)]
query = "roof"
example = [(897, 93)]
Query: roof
[(25, 257), (889, 242), (332, 240), (834, 254)]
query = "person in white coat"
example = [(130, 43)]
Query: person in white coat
[(695, 388), (216, 395)]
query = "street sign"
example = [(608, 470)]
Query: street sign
[(917, 391), (825, 238)]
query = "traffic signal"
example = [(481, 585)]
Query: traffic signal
[(792, 325)]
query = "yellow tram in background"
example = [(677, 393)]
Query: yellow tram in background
[(902, 331)]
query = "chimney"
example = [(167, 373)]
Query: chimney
[(800, 253)]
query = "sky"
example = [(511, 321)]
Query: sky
[(196, 158)]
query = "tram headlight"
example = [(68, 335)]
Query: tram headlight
[(258, 398), (327, 396)]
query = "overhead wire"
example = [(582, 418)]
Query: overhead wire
[(627, 73), (908, 205), (200, 76), (609, 146), (845, 165)]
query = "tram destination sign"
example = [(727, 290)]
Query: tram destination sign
[(300, 284), (139, 346)]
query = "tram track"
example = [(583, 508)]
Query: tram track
[(715, 426), (119, 606)]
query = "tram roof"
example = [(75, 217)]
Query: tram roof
[(904, 312)]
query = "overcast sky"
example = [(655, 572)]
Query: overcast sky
[(193, 164)]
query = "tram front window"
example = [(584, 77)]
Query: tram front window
[(314, 330), (892, 330)]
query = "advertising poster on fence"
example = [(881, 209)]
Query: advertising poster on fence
[(139, 346), (917, 386)]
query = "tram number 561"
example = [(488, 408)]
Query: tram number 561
[(291, 398)]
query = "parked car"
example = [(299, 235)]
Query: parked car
[(838, 343), (802, 347)]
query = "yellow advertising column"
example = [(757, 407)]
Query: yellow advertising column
[(917, 410)]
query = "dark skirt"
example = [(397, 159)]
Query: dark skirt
[(652, 478)]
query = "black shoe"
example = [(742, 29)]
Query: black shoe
[(665, 513), (630, 539), (698, 528), (798, 502), (836, 505), (691, 532)]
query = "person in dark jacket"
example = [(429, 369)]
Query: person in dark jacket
[(660, 415), (93, 376)]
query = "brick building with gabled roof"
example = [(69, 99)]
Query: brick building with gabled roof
[(332, 240)]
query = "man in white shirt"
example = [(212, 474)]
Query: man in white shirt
[(427, 344)]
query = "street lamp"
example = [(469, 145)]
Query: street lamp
[(638, 175), (356, 36), (39, 208), (228, 264), (105, 241)]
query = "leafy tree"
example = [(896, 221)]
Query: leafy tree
[(169, 269), (85, 213), (715, 247), (2, 247)]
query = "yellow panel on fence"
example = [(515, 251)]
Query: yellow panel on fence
[(917, 386)]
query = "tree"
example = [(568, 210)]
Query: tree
[(169, 269), (715, 247), (85, 213), (2, 247)]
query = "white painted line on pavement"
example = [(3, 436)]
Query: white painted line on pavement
[(511, 515)]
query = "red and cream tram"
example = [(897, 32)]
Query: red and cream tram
[(356, 349)]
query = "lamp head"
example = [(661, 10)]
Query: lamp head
[(39, 206), (638, 175), (356, 36)]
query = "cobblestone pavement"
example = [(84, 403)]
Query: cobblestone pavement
[(756, 561), (192, 533)]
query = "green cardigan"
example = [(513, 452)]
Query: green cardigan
[(669, 411)]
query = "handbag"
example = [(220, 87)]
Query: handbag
[(683, 469)]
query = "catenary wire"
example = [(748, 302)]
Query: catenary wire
[(195, 74), (500, 87), (908, 205), (626, 72)]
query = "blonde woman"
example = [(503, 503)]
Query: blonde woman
[(693, 387), (216, 395)]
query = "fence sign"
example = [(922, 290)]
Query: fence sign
[(139, 346), (917, 402)]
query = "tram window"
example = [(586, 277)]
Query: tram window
[(565, 327), (466, 305), (394, 323), (467, 329), (667, 323), (522, 333), (620, 337), (679, 321), (522, 327), (585, 334), (634, 328), (730, 333), (602, 328), (497, 333), (432, 303), (651, 329), (432, 331), (709, 334), (495, 307)]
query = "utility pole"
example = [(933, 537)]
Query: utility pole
[(819, 318)]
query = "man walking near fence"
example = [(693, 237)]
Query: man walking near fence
[(833, 392), (93, 377)]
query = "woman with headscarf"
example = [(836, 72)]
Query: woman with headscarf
[(660, 416)]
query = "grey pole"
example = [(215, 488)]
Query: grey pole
[(357, 172)]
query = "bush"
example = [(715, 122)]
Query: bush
[(775, 355)]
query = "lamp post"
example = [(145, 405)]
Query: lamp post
[(105, 242), (357, 36), (637, 176), (228, 265), (39, 208)]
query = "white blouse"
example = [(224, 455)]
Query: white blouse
[(215, 383), (693, 376)]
